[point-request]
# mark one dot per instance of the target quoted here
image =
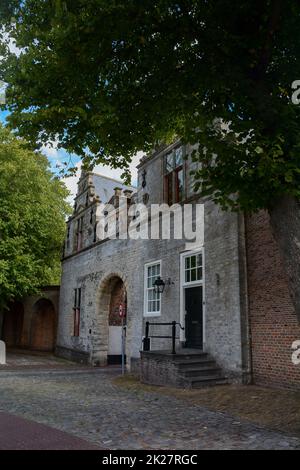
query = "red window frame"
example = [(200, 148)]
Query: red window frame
[(171, 182), (169, 188), (79, 237), (76, 312), (177, 190)]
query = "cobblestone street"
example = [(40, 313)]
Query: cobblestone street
[(87, 404)]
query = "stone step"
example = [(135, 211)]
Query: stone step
[(191, 369), (199, 369), (206, 381), (189, 357), (183, 365), (202, 371)]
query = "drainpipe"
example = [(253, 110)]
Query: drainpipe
[(246, 343)]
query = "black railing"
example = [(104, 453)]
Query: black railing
[(147, 338)]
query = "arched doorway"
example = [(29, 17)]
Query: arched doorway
[(43, 325), (111, 317), (13, 325)]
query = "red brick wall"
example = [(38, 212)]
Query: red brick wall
[(43, 326), (274, 325)]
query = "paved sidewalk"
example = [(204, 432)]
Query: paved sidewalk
[(30, 360), (91, 406), (20, 434)]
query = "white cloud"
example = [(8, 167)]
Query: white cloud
[(10, 42), (71, 183), (51, 151)]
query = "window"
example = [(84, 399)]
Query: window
[(95, 232), (68, 236), (76, 311), (193, 268), (152, 299), (79, 232), (174, 176)]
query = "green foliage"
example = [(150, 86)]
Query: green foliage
[(109, 78), (32, 220)]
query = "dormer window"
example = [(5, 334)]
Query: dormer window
[(174, 186)]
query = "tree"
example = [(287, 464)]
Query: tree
[(32, 220), (107, 79)]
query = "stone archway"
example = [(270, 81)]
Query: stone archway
[(108, 326), (43, 326), (13, 325)]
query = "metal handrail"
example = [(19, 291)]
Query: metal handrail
[(146, 340)]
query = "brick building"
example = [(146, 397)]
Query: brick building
[(32, 322), (273, 322), (227, 289)]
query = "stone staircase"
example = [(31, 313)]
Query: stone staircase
[(198, 369), (188, 368)]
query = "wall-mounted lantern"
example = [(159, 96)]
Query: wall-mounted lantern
[(159, 285)]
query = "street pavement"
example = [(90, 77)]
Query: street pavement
[(91, 410)]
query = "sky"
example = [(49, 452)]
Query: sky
[(56, 158)]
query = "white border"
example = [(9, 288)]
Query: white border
[(184, 285), (146, 266)]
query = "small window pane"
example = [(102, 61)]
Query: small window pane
[(152, 298), (169, 162), (179, 185), (193, 268), (178, 157)]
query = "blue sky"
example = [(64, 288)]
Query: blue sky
[(56, 158)]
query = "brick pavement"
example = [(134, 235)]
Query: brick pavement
[(89, 405), (21, 434)]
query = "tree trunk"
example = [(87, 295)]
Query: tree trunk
[(285, 223)]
